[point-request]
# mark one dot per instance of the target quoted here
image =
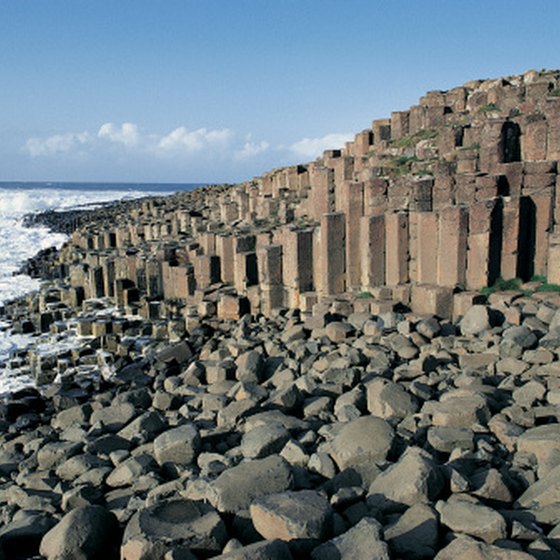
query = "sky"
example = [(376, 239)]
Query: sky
[(205, 91)]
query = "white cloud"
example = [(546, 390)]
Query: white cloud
[(57, 144), (127, 134), (180, 143), (183, 140), (251, 149), (314, 147)]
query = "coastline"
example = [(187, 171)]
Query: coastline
[(151, 417), (354, 357)]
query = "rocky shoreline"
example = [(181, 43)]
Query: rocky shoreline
[(308, 364), (333, 434)]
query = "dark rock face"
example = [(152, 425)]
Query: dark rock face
[(87, 532)]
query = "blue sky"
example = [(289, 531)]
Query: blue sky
[(222, 90)]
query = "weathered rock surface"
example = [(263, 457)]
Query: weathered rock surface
[(236, 488), (86, 533), (293, 515), (170, 525)]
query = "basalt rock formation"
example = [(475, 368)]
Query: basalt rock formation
[(443, 198), (187, 412)]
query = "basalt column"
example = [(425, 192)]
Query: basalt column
[(396, 249), (331, 264), (297, 264)]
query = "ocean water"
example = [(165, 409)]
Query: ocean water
[(18, 243)]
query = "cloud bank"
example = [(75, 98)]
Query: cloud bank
[(127, 148)]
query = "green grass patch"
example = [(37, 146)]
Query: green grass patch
[(364, 295), (548, 288), (501, 285), (471, 147), (538, 278), (489, 107), (423, 172), (410, 141), (555, 92)]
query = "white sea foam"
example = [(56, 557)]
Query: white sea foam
[(18, 243)]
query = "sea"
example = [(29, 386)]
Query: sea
[(18, 243)]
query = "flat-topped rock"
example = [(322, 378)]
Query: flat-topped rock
[(236, 488)]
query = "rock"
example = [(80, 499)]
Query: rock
[(445, 439), (541, 441), (429, 327), (544, 492), (461, 411), (170, 524), (55, 453), (389, 400), (529, 393), (521, 336), (507, 432), (179, 446), (475, 321), (237, 487), (476, 520), (264, 440), (362, 440), (21, 537), (466, 548), (250, 366), (114, 417), (128, 471), (364, 540), (337, 331), (78, 465), (413, 479), (305, 514), (86, 533), (263, 550), (416, 533), (144, 428), (491, 485), (179, 353), (372, 328)]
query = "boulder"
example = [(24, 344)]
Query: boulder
[(544, 492), (467, 548), (21, 537), (337, 331), (263, 550), (463, 516), (170, 524), (86, 533), (461, 411), (237, 487), (179, 446), (128, 471), (364, 540), (389, 400), (445, 439), (250, 366), (475, 321), (415, 478), (305, 514), (416, 533), (114, 417), (264, 440), (362, 440), (541, 441)]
